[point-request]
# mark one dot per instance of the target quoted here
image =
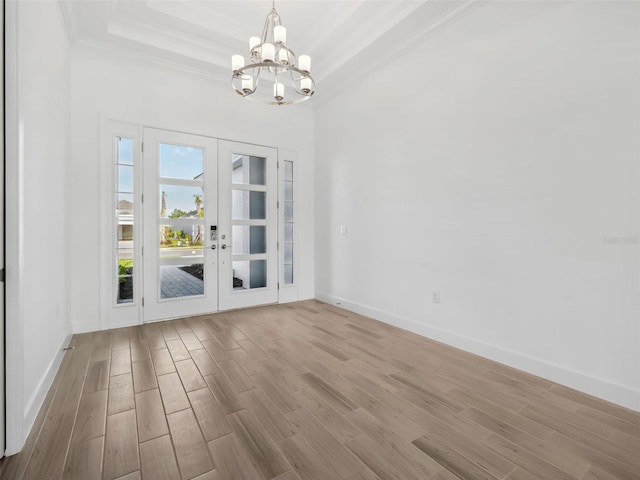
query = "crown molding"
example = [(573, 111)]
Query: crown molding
[(408, 24), (147, 60), (409, 38), (160, 37)]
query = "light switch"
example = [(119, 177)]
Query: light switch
[(343, 230)]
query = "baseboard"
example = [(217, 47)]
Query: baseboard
[(598, 387), (37, 399)]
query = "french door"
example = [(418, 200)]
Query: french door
[(180, 202), (248, 225), (210, 225)]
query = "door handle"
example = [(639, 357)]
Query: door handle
[(223, 246), (213, 247)]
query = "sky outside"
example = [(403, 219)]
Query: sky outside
[(175, 161)]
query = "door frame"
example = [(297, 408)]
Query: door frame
[(109, 317), (14, 190), (2, 242), (113, 315)]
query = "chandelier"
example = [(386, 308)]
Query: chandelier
[(274, 74)]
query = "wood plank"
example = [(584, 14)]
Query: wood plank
[(343, 462), (120, 394), (379, 460), (304, 460), (47, 459), (465, 437), (177, 350), (140, 350), (451, 459), (169, 331), (231, 459), (239, 380), (162, 361), (217, 351), (190, 448), (249, 365), (91, 416), (131, 476), (84, 460), (209, 414), (400, 449), (121, 445), (174, 397), (525, 459), (224, 393), (120, 362), (212, 475), (253, 350), (274, 423), (158, 459), (150, 415), (570, 464), (190, 341), (265, 457), (97, 377), (154, 337), (204, 362), (190, 375), (144, 376)]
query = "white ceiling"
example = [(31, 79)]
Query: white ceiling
[(343, 37)]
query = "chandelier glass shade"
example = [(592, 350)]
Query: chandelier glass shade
[(274, 75)]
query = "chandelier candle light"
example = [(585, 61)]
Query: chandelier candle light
[(272, 63)]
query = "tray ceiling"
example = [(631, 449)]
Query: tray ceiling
[(343, 38)]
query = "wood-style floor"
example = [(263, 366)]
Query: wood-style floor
[(310, 391)]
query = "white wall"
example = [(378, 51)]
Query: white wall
[(489, 164), (38, 324), (121, 90)]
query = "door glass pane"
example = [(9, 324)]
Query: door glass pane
[(179, 201), (124, 220), (288, 253), (249, 239), (288, 232), (125, 151), (288, 274), (181, 241), (125, 178), (288, 191), (257, 205), (258, 270), (288, 211), (288, 171), (184, 280), (248, 170), (178, 161), (258, 238), (248, 205), (240, 274), (258, 171), (249, 274), (287, 257)]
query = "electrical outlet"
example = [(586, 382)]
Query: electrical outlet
[(436, 296)]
